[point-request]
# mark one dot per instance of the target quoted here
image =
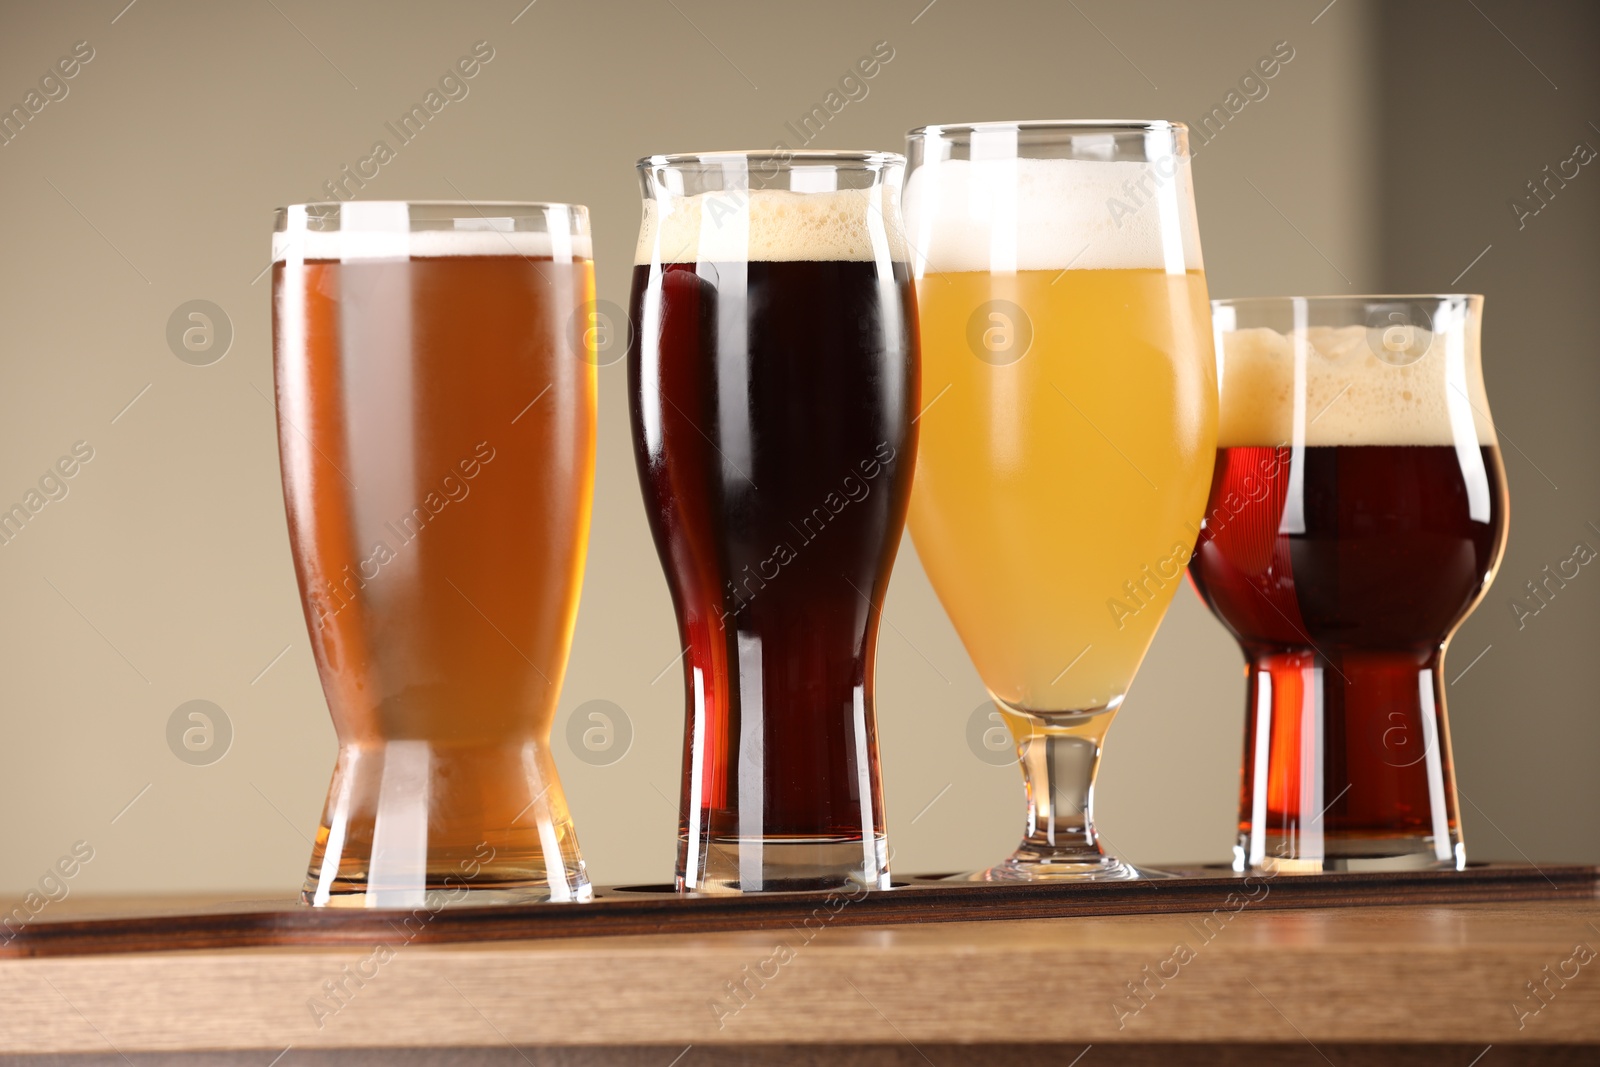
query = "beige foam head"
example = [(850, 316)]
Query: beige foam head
[(351, 245), (1052, 214), (1428, 393), (774, 225), (383, 229)]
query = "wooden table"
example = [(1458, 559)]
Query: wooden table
[(1413, 984)]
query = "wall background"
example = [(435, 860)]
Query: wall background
[(1383, 156), (1468, 118)]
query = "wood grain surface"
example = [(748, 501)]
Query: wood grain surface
[(1455, 974), (158, 926)]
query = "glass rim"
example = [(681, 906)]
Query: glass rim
[(1044, 125), (470, 208), (864, 159), (1330, 299)]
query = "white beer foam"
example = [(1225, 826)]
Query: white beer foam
[(772, 225), (348, 244), (1351, 396), (1052, 214)]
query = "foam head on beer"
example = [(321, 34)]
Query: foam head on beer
[(772, 226), (1428, 392), (1018, 214), (379, 230)]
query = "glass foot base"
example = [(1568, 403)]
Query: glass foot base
[(422, 826), (450, 893), (732, 864), (1021, 868), (1285, 854)]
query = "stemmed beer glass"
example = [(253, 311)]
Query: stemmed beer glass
[(1067, 431)]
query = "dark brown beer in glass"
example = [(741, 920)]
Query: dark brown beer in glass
[(436, 428), (773, 379), (1343, 555)]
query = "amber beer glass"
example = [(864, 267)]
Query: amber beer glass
[(772, 382), (436, 425), (1357, 514), (1068, 432)]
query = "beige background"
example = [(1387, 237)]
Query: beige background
[(1382, 157)]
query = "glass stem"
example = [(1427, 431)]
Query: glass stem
[(1060, 758), (1347, 763)]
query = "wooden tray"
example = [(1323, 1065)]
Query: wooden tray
[(623, 910)]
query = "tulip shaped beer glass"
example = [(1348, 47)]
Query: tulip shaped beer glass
[(1357, 514), (436, 424), (773, 382), (1067, 434)]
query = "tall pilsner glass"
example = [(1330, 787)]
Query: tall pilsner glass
[(1068, 430), (1357, 515), (436, 423), (773, 387)]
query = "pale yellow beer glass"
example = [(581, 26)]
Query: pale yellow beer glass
[(1068, 430)]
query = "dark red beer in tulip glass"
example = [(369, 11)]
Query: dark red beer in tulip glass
[(1357, 514)]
